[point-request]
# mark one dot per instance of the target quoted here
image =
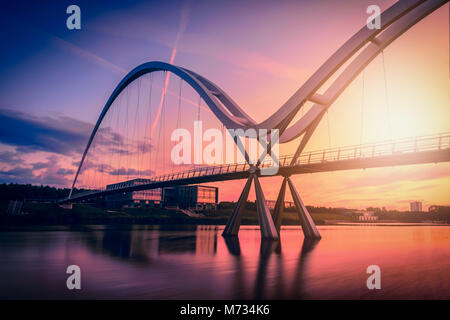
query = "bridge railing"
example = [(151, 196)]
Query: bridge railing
[(369, 150), (362, 151)]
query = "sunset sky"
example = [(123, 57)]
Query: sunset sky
[(54, 83)]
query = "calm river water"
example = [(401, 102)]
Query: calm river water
[(148, 262)]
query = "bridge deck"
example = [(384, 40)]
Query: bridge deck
[(427, 149)]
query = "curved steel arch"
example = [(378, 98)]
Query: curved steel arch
[(225, 109), (394, 22)]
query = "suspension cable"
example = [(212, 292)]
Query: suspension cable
[(91, 167), (179, 113), (123, 142), (179, 104), (113, 141), (150, 120), (329, 134), (198, 119), (386, 96), (159, 138), (102, 144), (143, 164), (127, 137), (164, 131), (135, 124), (199, 103), (362, 110), (119, 156)]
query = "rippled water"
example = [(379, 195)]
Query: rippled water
[(143, 262)]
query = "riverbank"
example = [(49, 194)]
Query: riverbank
[(48, 214), (34, 213), (186, 262)]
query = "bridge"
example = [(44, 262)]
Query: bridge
[(112, 140), (417, 150)]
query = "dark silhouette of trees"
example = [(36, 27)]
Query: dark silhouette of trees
[(21, 192)]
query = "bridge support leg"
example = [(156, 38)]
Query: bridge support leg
[(279, 207), (309, 228), (268, 230), (233, 224)]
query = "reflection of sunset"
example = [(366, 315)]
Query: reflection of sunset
[(199, 264)]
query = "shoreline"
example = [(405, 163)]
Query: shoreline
[(49, 214), (171, 227)]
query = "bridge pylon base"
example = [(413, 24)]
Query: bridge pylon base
[(308, 226), (234, 222), (279, 206), (268, 230), (267, 227)]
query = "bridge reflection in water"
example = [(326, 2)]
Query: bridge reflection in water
[(246, 277), (143, 262)]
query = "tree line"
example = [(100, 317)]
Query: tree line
[(14, 191)]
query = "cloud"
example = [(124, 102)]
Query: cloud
[(53, 139), (18, 171), (39, 165), (8, 157), (53, 173), (57, 134), (65, 172)]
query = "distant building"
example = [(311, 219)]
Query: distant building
[(435, 208), (416, 206), (187, 197), (191, 197), (287, 204), (145, 198), (367, 216)]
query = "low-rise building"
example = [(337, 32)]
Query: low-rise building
[(367, 216), (416, 206), (436, 208), (287, 204), (191, 197), (187, 197), (144, 198)]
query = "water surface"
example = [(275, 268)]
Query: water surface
[(147, 262)]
